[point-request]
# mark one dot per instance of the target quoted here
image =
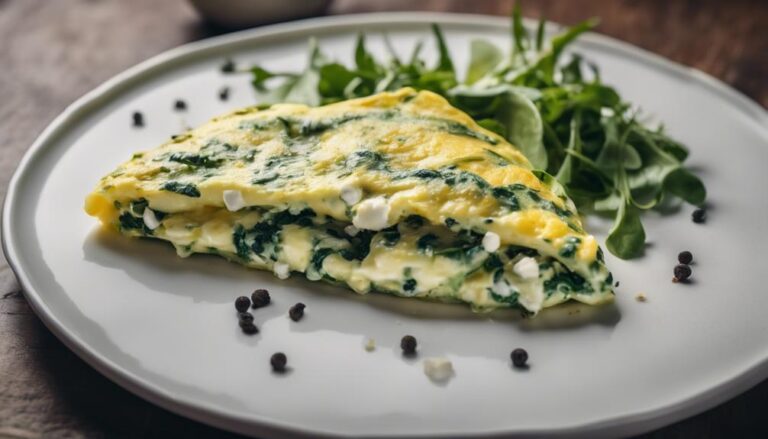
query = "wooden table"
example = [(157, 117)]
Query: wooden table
[(51, 52)]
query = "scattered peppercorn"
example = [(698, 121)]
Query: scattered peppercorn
[(245, 317), (228, 66), (138, 119), (179, 105), (699, 216), (616, 285), (242, 304), (519, 357), (682, 273), (685, 257), (224, 93), (278, 362), (260, 298), (248, 327), (297, 311), (408, 345)]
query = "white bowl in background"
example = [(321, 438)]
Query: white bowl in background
[(246, 13)]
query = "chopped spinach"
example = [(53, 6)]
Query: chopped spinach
[(195, 160), (130, 222), (138, 206), (570, 247), (238, 239), (316, 263), (566, 282), (426, 242), (390, 236), (186, 189), (506, 197)]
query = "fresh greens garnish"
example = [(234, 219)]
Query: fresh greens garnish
[(560, 114)]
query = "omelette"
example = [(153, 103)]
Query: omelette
[(398, 193)]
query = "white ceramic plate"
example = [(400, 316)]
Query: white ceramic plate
[(164, 327)]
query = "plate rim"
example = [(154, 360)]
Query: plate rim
[(630, 423)]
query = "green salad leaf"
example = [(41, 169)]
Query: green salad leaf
[(574, 129)]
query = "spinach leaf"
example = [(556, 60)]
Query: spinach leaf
[(627, 236)]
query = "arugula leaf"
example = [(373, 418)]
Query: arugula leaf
[(444, 63), (514, 113), (484, 57), (524, 128), (685, 185), (627, 236), (363, 59)]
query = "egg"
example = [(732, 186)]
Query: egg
[(398, 192)]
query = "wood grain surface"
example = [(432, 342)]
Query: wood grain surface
[(53, 51)]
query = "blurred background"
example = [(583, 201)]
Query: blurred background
[(54, 51)]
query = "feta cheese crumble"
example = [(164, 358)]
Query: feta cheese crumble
[(351, 194), (527, 268), (491, 242), (438, 369), (281, 270), (372, 214), (150, 220), (502, 288), (233, 200)]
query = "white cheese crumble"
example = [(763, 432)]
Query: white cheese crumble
[(491, 242), (281, 270), (370, 345), (150, 220), (233, 200), (351, 230), (527, 268), (438, 369), (532, 298), (502, 288), (351, 194), (372, 214)]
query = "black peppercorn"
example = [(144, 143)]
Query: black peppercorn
[(260, 298), (224, 93), (245, 317), (278, 362), (699, 216), (228, 66), (408, 345), (685, 257), (242, 304), (297, 311), (179, 105), (138, 119), (682, 272), (519, 357), (248, 327)]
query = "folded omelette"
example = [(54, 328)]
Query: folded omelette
[(397, 192)]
